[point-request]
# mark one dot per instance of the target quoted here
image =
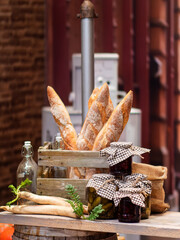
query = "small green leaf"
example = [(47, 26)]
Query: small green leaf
[(95, 212), (13, 189), (77, 205), (16, 190), (25, 183), (75, 201)]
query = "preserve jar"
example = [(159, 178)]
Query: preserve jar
[(128, 212), (130, 197), (100, 190), (119, 156), (108, 205), (121, 169), (140, 181)]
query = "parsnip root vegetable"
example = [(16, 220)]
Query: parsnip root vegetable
[(41, 209), (48, 200)]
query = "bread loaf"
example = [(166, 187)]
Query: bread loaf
[(95, 119), (77, 173), (93, 97), (62, 118), (109, 108), (112, 130)]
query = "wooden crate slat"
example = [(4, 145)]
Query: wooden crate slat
[(68, 158), (44, 152), (56, 187), (69, 161)]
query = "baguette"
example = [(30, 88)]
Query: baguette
[(41, 209), (62, 118), (93, 97), (77, 172), (95, 119), (109, 108), (112, 130)]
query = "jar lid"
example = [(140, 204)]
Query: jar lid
[(121, 144), (120, 151), (103, 184), (135, 186), (136, 180)]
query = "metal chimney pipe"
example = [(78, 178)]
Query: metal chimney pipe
[(87, 16)]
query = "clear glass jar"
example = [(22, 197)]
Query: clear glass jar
[(27, 169), (59, 172), (128, 212), (122, 169), (94, 200), (146, 211)]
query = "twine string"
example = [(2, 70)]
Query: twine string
[(131, 149), (105, 183)]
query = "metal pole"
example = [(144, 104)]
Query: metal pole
[(87, 16)]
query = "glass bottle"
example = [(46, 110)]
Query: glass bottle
[(27, 168), (128, 212), (59, 172)]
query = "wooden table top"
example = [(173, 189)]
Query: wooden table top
[(161, 225)]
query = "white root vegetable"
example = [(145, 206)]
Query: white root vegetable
[(41, 209), (48, 200)]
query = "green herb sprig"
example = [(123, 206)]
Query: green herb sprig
[(77, 205), (15, 190)]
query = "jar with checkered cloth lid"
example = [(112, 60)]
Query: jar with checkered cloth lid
[(119, 156), (100, 190), (131, 197)]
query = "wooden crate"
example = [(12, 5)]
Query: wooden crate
[(66, 158)]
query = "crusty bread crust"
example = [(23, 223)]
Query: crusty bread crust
[(93, 97), (62, 118), (112, 130), (109, 108), (97, 116)]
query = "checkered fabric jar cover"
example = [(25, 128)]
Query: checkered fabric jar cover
[(120, 151), (135, 186), (103, 184)]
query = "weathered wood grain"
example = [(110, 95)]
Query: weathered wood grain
[(161, 225), (46, 233), (69, 158), (56, 187)]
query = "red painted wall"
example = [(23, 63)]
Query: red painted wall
[(138, 31)]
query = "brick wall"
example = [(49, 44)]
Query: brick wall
[(21, 83)]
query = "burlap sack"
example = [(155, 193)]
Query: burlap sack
[(157, 175)]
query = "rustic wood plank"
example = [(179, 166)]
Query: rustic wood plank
[(56, 187), (73, 161), (161, 225), (52, 152), (71, 158), (46, 231)]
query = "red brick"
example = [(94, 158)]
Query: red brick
[(22, 83)]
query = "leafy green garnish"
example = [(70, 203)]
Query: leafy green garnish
[(15, 190), (77, 205), (95, 212)]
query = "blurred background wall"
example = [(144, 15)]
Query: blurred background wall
[(21, 83), (37, 40)]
